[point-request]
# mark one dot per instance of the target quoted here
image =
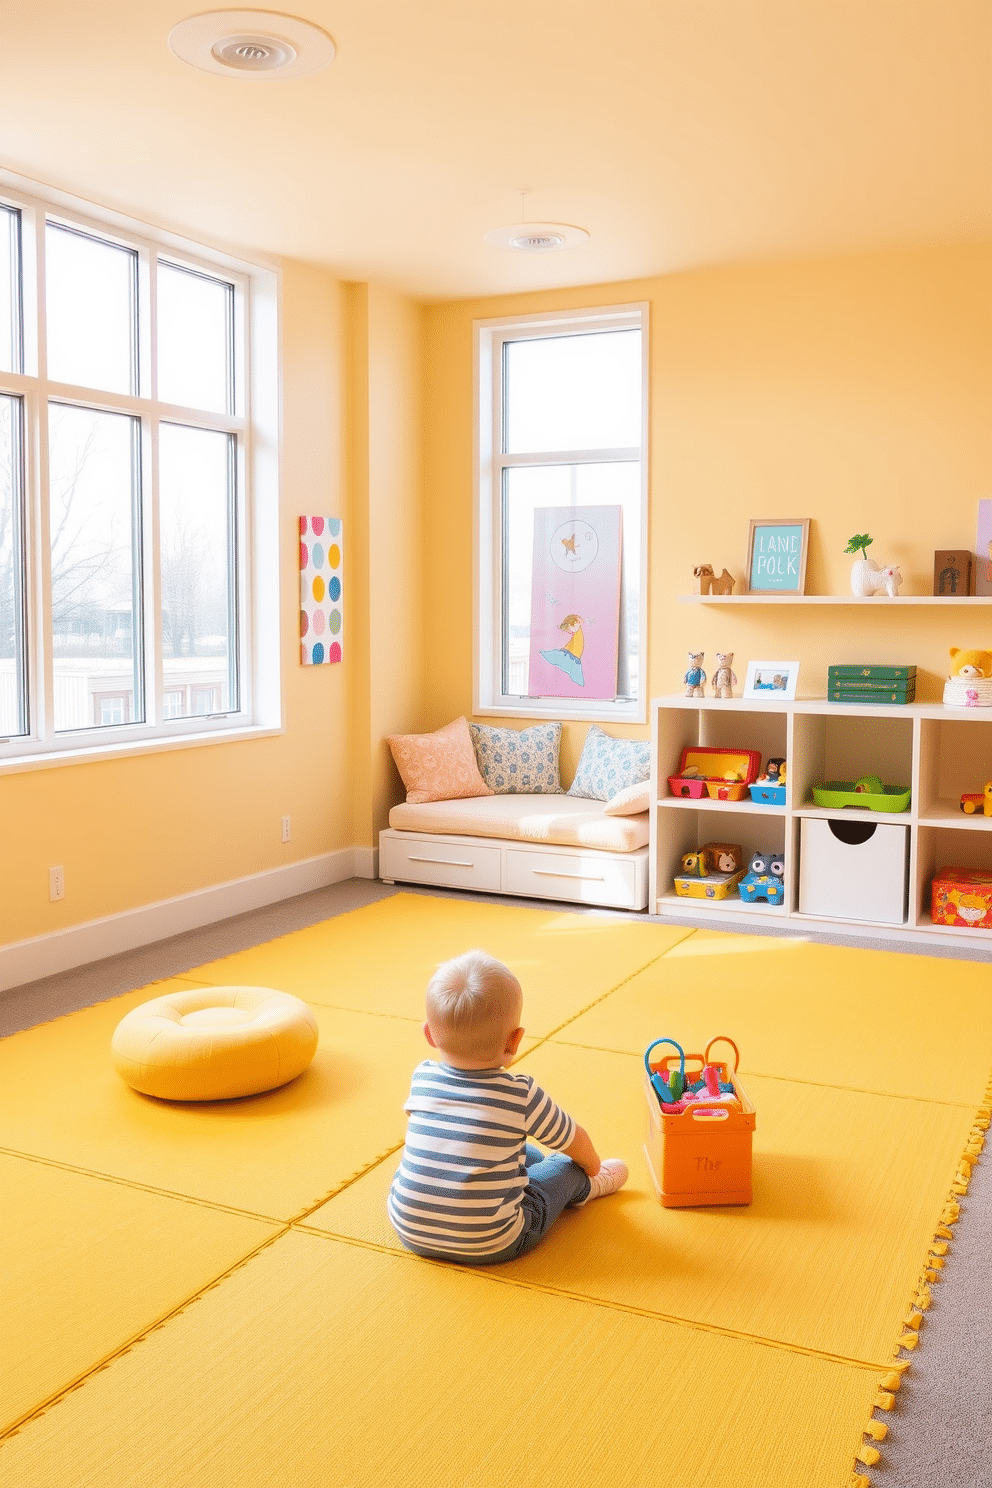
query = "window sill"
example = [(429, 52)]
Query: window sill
[(546, 708), (55, 759)]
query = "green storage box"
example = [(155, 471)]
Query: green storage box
[(869, 695), (867, 794), (869, 672)]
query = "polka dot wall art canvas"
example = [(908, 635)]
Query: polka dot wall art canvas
[(320, 590)]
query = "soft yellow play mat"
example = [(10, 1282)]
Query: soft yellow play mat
[(210, 1295)]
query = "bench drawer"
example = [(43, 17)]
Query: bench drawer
[(466, 864), (606, 878)]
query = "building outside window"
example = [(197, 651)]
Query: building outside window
[(125, 484), (110, 710), (561, 406)]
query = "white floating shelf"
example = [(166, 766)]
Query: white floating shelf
[(879, 602)]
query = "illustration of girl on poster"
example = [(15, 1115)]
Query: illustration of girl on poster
[(575, 601), (569, 656)]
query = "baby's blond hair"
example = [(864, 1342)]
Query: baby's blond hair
[(473, 1005)]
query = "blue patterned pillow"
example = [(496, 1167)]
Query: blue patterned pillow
[(609, 765), (516, 762)]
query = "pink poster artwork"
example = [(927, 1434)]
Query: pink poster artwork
[(983, 567), (575, 601)]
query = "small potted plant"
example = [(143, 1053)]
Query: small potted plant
[(861, 582)]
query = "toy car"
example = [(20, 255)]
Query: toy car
[(975, 801), (764, 879)]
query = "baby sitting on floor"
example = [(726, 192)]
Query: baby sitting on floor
[(470, 1187)]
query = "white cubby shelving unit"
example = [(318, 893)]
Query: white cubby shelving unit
[(939, 752)]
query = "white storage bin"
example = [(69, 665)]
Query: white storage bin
[(853, 870)]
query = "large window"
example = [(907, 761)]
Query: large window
[(561, 523), (127, 508)]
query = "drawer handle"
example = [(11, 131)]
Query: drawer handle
[(445, 862), (587, 877)]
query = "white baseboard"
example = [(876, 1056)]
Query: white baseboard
[(60, 950), (366, 862)]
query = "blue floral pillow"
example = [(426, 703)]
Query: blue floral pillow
[(609, 765), (516, 762)]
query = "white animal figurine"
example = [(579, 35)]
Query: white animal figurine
[(695, 677), (723, 680), (867, 578)]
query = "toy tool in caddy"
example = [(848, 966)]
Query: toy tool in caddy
[(699, 1130), (723, 774)]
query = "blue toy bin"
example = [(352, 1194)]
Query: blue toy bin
[(767, 795)]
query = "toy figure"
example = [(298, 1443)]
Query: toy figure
[(764, 879), (695, 677), (774, 773), (697, 863), (724, 680), (727, 857), (708, 583)]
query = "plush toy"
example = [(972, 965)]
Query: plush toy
[(723, 680), (970, 682), (764, 879), (695, 677), (969, 663)]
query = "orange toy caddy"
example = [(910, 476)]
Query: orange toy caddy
[(699, 1154), (723, 774)]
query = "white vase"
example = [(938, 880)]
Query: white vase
[(861, 584)]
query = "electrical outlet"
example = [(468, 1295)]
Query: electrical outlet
[(56, 884), (285, 829)]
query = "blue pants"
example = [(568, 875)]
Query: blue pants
[(553, 1182)]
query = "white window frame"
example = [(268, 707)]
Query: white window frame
[(255, 427), (490, 462)]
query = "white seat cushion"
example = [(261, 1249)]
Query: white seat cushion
[(214, 1043), (567, 820)]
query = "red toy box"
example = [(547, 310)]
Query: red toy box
[(963, 897), (712, 766)]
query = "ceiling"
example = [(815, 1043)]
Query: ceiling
[(679, 133)]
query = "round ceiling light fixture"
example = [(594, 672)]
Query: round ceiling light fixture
[(536, 237), (252, 43)]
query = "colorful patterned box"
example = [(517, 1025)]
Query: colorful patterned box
[(320, 590), (963, 897)]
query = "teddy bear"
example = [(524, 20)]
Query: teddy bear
[(695, 677), (970, 682), (723, 679), (970, 663)]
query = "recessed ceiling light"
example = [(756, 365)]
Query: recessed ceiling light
[(252, 43), (536, 237)]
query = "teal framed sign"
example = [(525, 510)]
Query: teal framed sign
[(776, 555)]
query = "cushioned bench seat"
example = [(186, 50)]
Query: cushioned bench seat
[(567, 820), (543, 847)]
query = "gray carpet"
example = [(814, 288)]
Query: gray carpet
[(940, 1432)]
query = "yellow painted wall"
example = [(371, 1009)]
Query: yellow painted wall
[(385, 420), (136, 830), (855, 391)]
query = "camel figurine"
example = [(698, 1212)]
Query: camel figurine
[(708, 583)]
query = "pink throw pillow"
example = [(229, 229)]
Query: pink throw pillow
[(440, 766)]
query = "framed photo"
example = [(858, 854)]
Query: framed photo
[(769, 681), (776, 555)]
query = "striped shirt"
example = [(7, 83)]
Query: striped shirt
[(459, 1184)]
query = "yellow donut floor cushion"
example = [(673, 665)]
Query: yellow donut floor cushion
[(214, 1043)]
